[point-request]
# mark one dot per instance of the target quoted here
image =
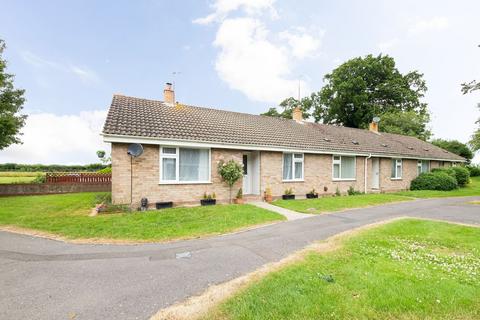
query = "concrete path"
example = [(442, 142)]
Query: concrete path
[(46, 279), (289, 214)]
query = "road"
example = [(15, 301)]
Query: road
[(47, 279)]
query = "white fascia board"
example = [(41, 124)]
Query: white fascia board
[(196, 144)]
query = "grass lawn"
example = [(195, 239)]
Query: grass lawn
[(408, 269), (329, 204), (67, 215), (472, 189), (7, 177)]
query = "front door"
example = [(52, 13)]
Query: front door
[(247, 174), (375, 173)]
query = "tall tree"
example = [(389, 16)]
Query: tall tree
[(408, 123), (11, 104), (475, 139), (370, 86), (455, 146)]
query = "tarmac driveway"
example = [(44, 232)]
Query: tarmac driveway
[(46, 279)]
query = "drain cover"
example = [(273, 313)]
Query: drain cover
[(183, 255)]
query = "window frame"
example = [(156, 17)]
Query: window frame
[(339, 162), (420, 166), (397, 160), (177, 165), (294, 160)]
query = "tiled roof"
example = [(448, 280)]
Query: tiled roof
[(135, 117)]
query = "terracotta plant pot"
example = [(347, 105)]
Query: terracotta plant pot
[(268, 198), (238, 200)]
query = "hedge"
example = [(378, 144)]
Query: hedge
[(461, 174), (50, 168), (474, 170), (434, 181)]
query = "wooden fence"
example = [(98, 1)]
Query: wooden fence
[(78, 178)]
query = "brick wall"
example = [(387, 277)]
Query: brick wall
[(317, 174), (22, 189), (146, 178)]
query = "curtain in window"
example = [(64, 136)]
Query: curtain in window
[(394, 168), (169, 169), (287, 166), (193, 165), (348, 167), (298, 170)]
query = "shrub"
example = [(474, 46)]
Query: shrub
[(240, 193), (40, 178), (288, 191), (105, 170), (462, 175), (448, 171), (352, 192), (437, 180), (230, 172), (474, 170)]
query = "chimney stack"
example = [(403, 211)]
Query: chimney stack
[(373, 127), (168, 93), (297, 114)]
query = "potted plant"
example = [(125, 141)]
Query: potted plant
[(268, 195), (288, 194), (208, 199), (312, 194), (230, 172), (239, 198)]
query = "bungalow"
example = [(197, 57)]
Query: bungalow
[(183, 145)]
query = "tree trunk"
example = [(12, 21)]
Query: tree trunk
[(230, 195)]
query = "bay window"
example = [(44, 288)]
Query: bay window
[(396, 169), (184, 165), (343, 168), (293, 166)]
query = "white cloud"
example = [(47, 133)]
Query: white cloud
[(49, 138), (388, 45), (432, 24), (221, 8), (254, 60), (84, 74), (249, 62), (301, 42)]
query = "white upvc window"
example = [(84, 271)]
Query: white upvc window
[(396, 169), (423, 166), (343, 167), (293, 167), (184, 165)]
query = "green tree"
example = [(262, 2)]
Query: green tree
[(455, 146), (230, 171), (370, 86), (468, 87), (11, 104), (407, 123), (287, 107), (475, 139)]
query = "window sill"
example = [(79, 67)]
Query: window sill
[(337, 180), (396, 179), (183, 182), (287, 181)]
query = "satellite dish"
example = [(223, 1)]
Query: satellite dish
[(376, 119), (135, 149)]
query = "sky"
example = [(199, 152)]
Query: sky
[(239, 55)]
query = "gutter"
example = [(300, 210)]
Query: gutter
[(366, 167)]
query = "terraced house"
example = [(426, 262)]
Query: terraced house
[(183, 145)]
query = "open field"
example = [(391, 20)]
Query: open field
[(18, 177), (408, 269), (67, 215)]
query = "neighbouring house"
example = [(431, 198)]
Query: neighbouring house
[(183, 145)]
